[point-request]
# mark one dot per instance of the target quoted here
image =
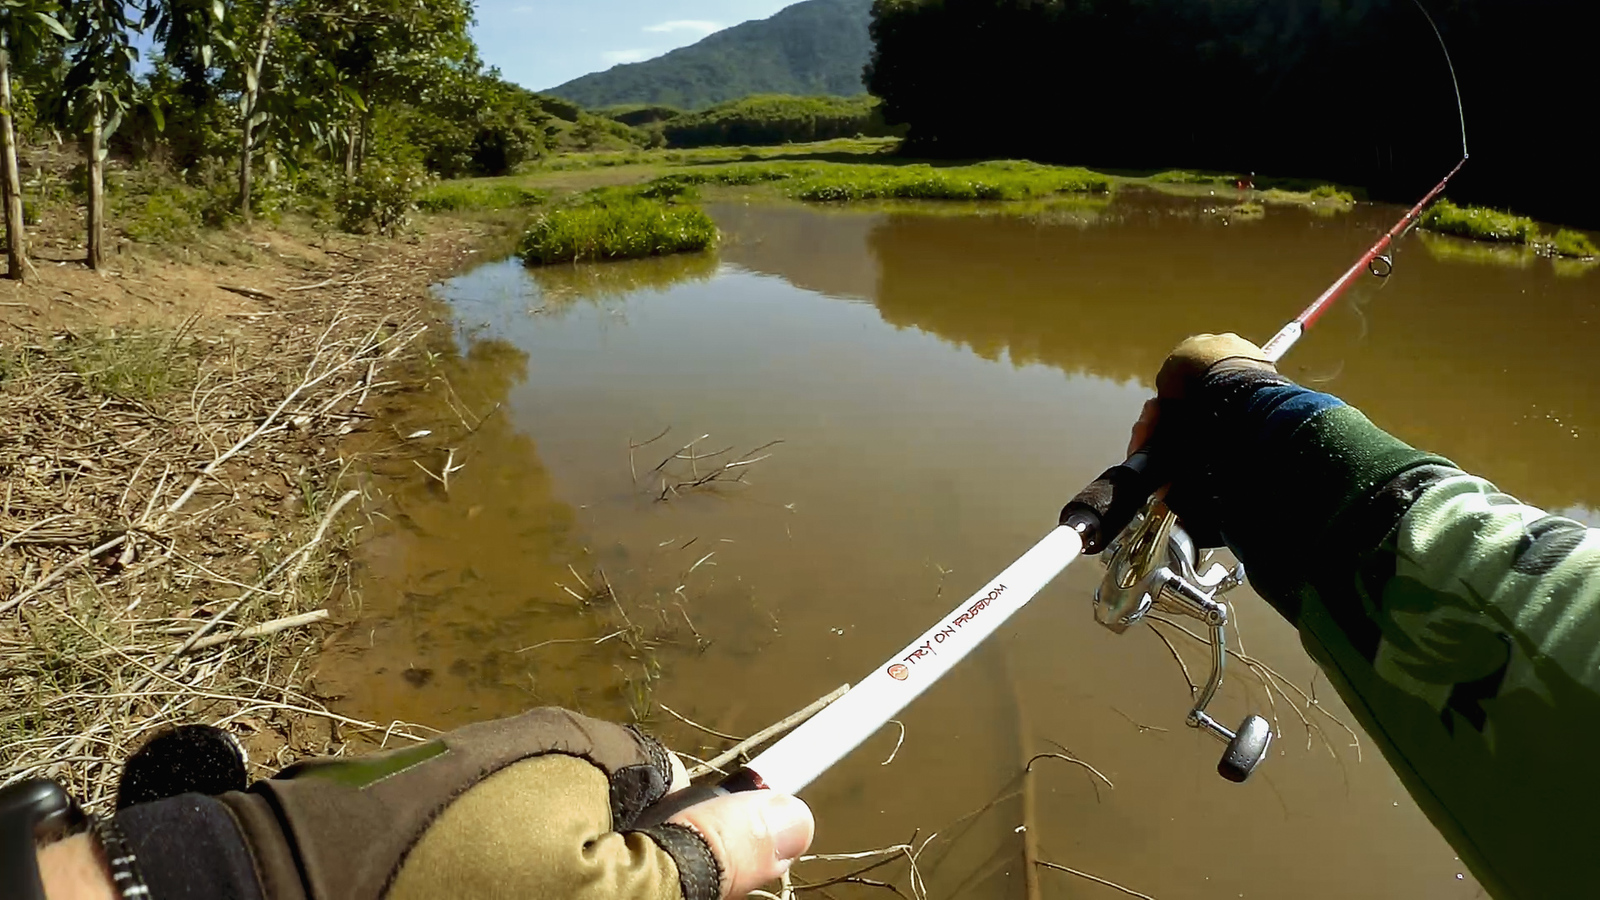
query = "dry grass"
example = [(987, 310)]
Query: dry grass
[(173, 522)]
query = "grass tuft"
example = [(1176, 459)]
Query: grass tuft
[(1568, 242), (1479, 222), (616, 224), (140, 366)]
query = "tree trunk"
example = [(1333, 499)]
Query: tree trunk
[(366, 135), (244, 165), (97, 193), (252, 96), (350, 156), (10, 180)]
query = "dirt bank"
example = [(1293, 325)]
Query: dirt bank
[(180, 485)]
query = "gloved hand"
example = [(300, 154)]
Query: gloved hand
[(539, 805), (1184, 370), (1182, 421)]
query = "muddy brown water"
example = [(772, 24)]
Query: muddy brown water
[(940, 383)]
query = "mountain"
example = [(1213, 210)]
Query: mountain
[(813, 47)]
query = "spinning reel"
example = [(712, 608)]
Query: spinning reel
[(1152, 565)]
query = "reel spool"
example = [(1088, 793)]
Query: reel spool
[(1152, 565)]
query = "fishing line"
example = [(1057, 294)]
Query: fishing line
[(1461, 111)]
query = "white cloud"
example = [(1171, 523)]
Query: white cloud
[(616, 57), (698, 26)]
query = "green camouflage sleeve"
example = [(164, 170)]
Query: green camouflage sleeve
[(1461, 626)]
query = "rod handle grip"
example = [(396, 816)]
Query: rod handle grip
[(1106, 506), (694, 795)]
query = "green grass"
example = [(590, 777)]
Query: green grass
[(985, 181), (1330, 192), (474, 194), (1479, 223), (142, 366), (1568, 242), (825, 182), (1184, 176), (616, 224)]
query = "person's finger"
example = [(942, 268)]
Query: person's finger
[(680, 775), (755, 836), (1145, 427)]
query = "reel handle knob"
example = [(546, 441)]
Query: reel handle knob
[(1246, 750)]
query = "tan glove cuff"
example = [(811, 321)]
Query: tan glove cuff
[(1191, 360)]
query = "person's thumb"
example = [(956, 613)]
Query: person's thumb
[(755, 836)]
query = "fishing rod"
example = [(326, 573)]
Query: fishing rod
[(1151, 565)]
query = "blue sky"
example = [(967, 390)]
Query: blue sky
[(542, 43)]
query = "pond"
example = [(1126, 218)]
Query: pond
[(917, 394)]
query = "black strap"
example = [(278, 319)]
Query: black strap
[(32, 813), (119, 860)]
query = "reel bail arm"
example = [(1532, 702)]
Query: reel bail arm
[(1153, 566)]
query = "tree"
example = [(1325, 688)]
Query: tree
[(252, 60), (98, 91), (1345, 90), (25, 27)]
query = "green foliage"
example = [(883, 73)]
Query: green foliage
[(616, 224), (166, 216), (458, 196), (987, 181), (812, 47), (777, 119), (487, 127), (1479, 222), (381, 198), (1568, 242)]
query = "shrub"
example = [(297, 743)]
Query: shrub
[(164, 217), (1568, 242), (616, 225), (1479, 222), (381, 197)]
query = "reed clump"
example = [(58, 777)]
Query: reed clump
[(1480, 223), (1568, 242), (617, 224)]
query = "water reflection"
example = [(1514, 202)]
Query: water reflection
[(1492, 368), (560, 285)]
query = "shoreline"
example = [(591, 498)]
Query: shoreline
[(183, 466)]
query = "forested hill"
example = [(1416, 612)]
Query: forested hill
[(813, 47)]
